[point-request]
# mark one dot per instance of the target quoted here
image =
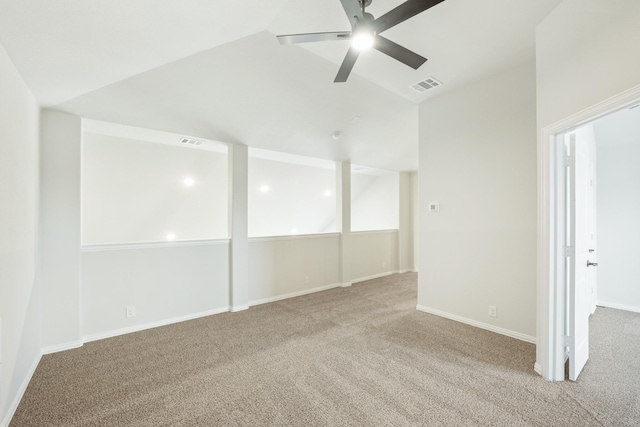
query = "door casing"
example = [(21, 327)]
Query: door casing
[(551, 210)]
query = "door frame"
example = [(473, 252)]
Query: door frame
[(551, 253)]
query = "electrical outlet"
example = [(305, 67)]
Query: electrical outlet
[(131, 311), (493, 311)]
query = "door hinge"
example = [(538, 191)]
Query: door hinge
[(569, 251)]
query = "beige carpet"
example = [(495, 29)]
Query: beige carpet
[(355, 356)]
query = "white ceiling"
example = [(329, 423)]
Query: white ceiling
[(213, 68)]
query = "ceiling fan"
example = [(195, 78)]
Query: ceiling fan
[(365, 33)]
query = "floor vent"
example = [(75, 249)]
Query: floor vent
[(426, 84), (190, 141)]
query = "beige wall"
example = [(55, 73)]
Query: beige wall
[(585, 53), (478, 161), (282, 266)]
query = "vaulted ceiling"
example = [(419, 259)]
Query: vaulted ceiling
[(214, 69)]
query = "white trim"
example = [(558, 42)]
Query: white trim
[(62, 347), (549, 318), (238, 308), (618, 306), (620, 101), (408, 270), (293, 237), (374, 276), (492, 328), (11, 410), (152, 245), (294, 294), (390, 230), (346, 284), (165, 322), (537, 368)]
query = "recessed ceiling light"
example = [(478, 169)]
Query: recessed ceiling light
[(188, 182), (171, 236), (336, 135), (264, 189), (294, 230), (327, 193)]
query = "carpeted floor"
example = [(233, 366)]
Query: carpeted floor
[(349, 356)]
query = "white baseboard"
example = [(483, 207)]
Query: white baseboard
[(11, 410), (164, 322), (62, 347), (537, 368), (374, 276), (619, 306), (488, 327), (237, 308), (296, 294), (346, 284)]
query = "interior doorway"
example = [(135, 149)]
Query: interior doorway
[(569, 244)]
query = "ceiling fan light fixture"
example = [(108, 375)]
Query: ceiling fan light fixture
[(365, 33), (362, 39)]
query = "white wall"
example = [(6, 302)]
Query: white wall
[(133, 191), (374, 201), (478, 160), (415, 208), (164, 283), (19, 292), (286, 266), (299, 197), (618, 150), (59, 234)]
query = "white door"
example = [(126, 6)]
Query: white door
[(579, 287), (592, 274)]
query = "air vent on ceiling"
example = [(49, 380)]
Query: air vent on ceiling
[(190, 141), (426, 84)]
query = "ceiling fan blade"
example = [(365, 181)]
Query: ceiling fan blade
[(401, 13), (347, 65), (398, 52), (353, 10), (313, 37)]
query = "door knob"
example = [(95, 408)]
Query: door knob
[(591, 264)]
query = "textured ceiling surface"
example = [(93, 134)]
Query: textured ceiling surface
[(214, 69)]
